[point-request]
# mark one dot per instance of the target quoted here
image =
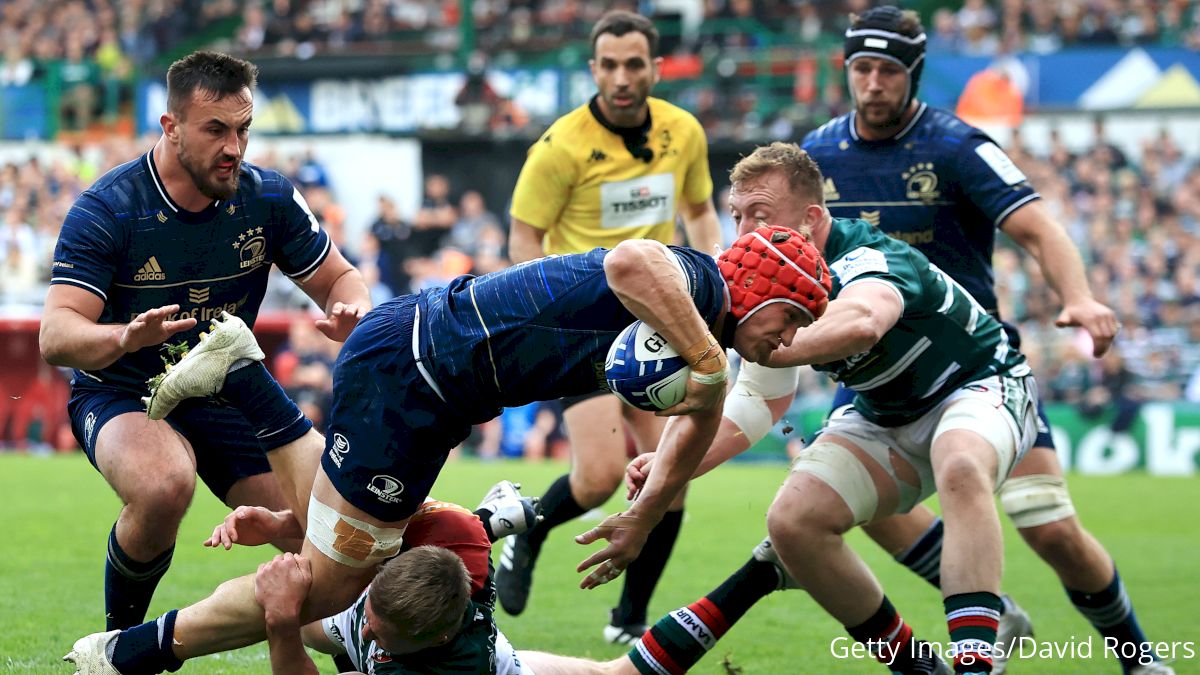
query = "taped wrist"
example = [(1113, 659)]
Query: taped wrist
[(707, 361)]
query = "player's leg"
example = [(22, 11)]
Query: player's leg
[(152, 469), (628, 619), (846, 477), (1037, 501), (543, 663), (597, 434)]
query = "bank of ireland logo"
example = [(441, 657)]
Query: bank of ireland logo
[(921, 182), (386, 488), (338, 452), (251, 247)]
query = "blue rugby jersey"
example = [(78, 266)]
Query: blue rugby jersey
[(536, 331), (126, 241), (941, 185)]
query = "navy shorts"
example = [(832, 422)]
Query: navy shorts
[(224, 442), (1044, 439), (389, 433)]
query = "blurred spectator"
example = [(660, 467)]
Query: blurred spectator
[(434, 219), (476, 101), (304, 368), (468, 234), (311, 173), (78, 77)]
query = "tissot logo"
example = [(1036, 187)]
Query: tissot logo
[(386, 489), (150, 271)]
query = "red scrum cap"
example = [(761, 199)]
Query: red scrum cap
[(775, 264)]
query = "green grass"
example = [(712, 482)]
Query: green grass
[(57, 513)]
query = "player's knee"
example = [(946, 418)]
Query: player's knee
[(1035, 501), (165, 498), (961, 474), (593, 487)]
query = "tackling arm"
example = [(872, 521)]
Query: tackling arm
[(339, 290), (1035, 231), (854, 322)]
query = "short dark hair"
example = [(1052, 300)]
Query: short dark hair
[(620, 22), (212, 72), (424, 592)]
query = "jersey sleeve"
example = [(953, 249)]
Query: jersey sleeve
[(990, 179), (705, 284), (698, 185), (544, 185), (301, 244), (341, 627), (890, 265), (88, 247)]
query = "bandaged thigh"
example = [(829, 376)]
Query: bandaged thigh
[(983, 419), (350, 541), (1031, 501), (841, 470)]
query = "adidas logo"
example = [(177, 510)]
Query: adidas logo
[(150, 271)]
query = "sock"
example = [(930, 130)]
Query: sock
[(973, 619), (485, 517), (643, 574), (924, 557), (252, 390), (129, 584), (684, 636), (558, 506), (887, 636), (1111, 612), (146, 649)]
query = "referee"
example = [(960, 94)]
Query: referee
[(623, 166)]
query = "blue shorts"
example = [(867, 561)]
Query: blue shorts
[(389, 433), (223, 441), (1044, 439)]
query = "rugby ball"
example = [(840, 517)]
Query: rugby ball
[(644, 370)]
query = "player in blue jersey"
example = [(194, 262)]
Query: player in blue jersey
[(151, 252), (923, 176), (420, 370)]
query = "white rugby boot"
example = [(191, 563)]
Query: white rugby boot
[(202, 370), (511, 513), (1014, 625), (765, 552), (90, 654)]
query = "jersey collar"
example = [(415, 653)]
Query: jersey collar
[(903, 132), (635, 138), (159, 185)]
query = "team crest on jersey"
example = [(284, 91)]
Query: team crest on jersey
[(162, 217), (386, 488), (252, 247), (921, 182)]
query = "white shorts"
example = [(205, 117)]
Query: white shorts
[(507, 662), (1002, 409)]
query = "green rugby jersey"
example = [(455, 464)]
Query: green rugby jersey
[(943, 340)]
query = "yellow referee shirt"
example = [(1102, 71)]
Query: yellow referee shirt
[(581, 184)]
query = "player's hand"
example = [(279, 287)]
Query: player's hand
[(153, 327), (699, 397), (626, 533), (254, 526), (636, 474), (341, 320), (1096, 318), (280, 586)]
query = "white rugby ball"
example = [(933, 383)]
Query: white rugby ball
[(644, 370)]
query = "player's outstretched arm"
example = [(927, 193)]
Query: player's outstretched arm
[(853, 323), (339, 290), (1035, 231), (280, 587), (69, 335), (255, 526)]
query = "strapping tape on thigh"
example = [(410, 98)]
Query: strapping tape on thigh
[(1036, 500), (350, 541), (838, 468)]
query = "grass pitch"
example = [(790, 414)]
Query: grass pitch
[(58, 512)]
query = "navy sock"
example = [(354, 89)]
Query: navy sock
[(275, 418), (924, 557), (558, 507), (146, 649), (643, 574), (129, 584), (1111, 612)]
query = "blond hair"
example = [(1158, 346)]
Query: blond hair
[(423, 593), (801, 171)]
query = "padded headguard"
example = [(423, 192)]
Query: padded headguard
[(775, 264), (877, 33)]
